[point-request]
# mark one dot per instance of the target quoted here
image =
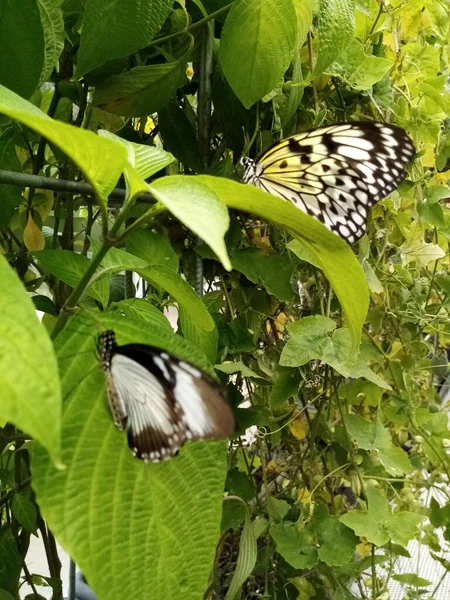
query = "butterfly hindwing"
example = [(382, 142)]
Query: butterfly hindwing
[(161, 400), (335, 173)]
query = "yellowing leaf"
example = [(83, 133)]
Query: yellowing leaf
[(304, 496), (364, 549), (299, 428), (420, 252), (32, 235), (43, 203)]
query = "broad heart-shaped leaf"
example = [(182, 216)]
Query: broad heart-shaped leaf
[(379, 524), (373, 436), (70, 267), (143, 90), (360, 70), (108, 32), (336, 29), (102, 161), (295, 545), (257, 45), (331, 253), (198, 207), (30, 396), (53, 26), (136, 530), (145, 160), (21, 46), (273, 272), (336, 543)]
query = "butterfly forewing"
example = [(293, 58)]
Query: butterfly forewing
[(335, 173), (160, 400)]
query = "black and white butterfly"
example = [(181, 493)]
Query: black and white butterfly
[(160, 400), (335, 173)]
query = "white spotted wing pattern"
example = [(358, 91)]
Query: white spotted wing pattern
[(160, 400), (335, 173)]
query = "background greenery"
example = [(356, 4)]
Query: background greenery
[(332, 354)]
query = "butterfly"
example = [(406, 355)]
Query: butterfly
[(335, 173), (160, 400)]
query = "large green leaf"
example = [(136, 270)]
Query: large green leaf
[(336, 30), (379, 525), (110, 510), (198, 207), (115, 29), (102, 161), (361, 71), (21, 46), (257, 45), (30, 397), (331, 253)]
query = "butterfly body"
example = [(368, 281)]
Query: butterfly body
[(161, 400), (335, 173)]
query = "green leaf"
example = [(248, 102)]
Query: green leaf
[(153, 248), (286, 384), (257, 46), (422, 253), (21, 46), (371, 524), (273, 272), (145, 160), (179, 135), (302, 252), (198, 207), (336, 29), (246, 559), (373, 436), (137, 308), (29, 381), (359, 70), (101, 160), (53, 26), (142, 90), (108, 32), (379, 525), (70, 267), (277, 509), (373, 282), (25, 512), (294, 545), (4, 595), (163, 517), (310, 339), (197, 324), (337, 543), (412, 579), (331, 253), (10, 561), (11, 195), (230, 368)]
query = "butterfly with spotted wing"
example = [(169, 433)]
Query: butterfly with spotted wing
[(160, 400), (335, 173)]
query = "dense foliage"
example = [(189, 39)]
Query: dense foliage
[(331, 355)]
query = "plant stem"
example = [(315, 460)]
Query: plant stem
[(192, 27)]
